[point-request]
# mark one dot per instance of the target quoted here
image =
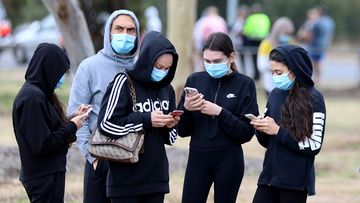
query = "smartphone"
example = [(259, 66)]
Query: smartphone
[(89, 110), (191, 91), (250, 116), (176, 113)]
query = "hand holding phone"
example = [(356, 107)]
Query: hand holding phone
[(89, 110), (250, 116), (176, 113), (190, 91)]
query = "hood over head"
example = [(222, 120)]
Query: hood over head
[(298, 61), (48, 64), (153, 45), (107, 50)]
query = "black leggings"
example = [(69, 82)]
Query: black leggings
[(224, 168), (47, 189), (269, 194), (149, 198)]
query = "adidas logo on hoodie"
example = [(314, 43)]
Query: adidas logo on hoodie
[(149, 105)]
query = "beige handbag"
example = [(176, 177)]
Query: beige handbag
[(124, 149)]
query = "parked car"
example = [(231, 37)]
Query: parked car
[(27, 39), (5, 34)]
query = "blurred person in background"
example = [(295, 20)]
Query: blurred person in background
[(256, 28), (121, 43), (153, 22), (236, 33), (43, 132), (208, 23), (281, 33), (304, 32), (320, 39), (292, 129)]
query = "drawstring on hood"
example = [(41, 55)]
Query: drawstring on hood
[(153, 45), (126, 60), (299, 62), (46, 67)]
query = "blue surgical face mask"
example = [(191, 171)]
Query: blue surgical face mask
[(217, 70), (158, 74), (61, 82), (284, 39), (122, 43), (283, 82)]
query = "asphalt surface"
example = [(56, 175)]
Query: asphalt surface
[(340, 69)]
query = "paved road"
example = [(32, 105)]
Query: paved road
[(7, 61), (339, 70)]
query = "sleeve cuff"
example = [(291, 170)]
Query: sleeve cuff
[(146, 118), (281, 133), (72, 127), (223, 114)]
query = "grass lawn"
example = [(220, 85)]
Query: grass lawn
[(338, 177)]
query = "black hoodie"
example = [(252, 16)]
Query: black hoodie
[(116, 118), (289, 164), (40, 132), (236, 94)]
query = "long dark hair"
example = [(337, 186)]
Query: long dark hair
[(220, 41), (59, 107), (297, 111)]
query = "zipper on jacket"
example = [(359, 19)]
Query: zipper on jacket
[(216, 94), (217, 90)]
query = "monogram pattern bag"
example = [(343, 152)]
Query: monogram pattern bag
[(124, 149)]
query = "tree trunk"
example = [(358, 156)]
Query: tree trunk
[(73, 28), (181, 19)]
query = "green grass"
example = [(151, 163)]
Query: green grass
[(11, 82), (337, 164)]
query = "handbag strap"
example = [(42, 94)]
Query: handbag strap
[(132, 91)]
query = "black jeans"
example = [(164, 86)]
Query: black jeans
[(148, 198), (95, 182), (269, 194), (46, 189)]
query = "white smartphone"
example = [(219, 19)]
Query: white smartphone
[(191, 91), (250, 116), (89, 110)]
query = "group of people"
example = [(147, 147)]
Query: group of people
[(291, 129), (253, 34)]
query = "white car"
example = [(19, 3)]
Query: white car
[(26, 40)]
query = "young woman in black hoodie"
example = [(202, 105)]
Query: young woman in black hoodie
[(214, 118), (148, 180), (42, 131), (292, 130)]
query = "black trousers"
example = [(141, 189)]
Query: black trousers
[(47, 189), (95, 182), (223, 167), (148, 198), (269, 194)]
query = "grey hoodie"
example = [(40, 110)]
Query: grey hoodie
[(94, 75)]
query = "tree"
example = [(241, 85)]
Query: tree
[(181, 19), (70, 19)]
